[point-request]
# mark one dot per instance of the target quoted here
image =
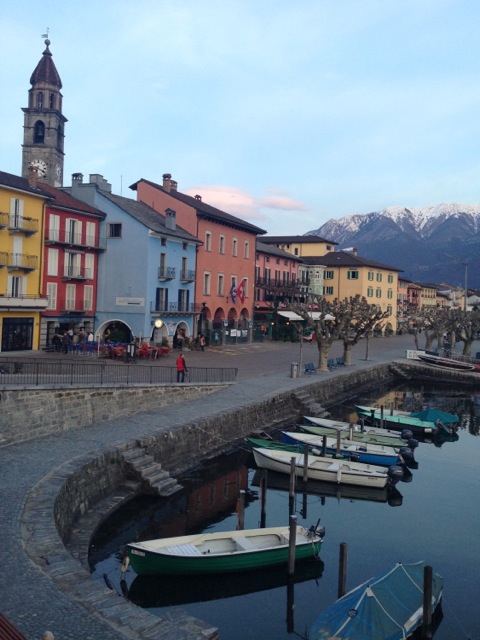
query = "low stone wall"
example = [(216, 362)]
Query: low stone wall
[(32, 412)]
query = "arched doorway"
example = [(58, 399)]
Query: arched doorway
[(114, 331), (217, 327)]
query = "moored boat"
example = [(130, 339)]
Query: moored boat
[(448, 363), (222, 552), (388, 607), (382, 455), (350, 431), (339, 470), (376, 418)]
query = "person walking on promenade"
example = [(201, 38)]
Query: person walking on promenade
[(203, 342), (181, 368)]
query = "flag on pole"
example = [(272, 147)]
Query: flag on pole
[(233, 291), (241, 291)]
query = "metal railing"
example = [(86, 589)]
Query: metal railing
[(21, 372)]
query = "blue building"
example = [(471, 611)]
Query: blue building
[(146, 277)]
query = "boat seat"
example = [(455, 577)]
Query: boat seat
[(183, 550), (244, 544)]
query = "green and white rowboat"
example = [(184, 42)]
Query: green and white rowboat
[(222, 552)]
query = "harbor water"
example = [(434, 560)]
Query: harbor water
[(433, 514)]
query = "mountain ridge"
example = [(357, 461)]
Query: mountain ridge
[(437, 243)]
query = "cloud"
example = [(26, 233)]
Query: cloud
[(242, 204)]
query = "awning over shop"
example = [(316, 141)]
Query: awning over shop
[(294, 317), (290, 315)]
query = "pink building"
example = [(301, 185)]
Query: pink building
[(225, 268)]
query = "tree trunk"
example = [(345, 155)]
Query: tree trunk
[(467, 347), (428, 341), (323, 351), (347, 353)]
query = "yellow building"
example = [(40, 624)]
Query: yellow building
[(301, 246), (346, 275), (22, 206)]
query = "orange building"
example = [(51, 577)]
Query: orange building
[(225, 268)]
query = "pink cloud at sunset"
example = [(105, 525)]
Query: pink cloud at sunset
[(241, 203)]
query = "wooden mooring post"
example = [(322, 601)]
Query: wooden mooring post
[(263, 498), (342, 570), (291, 544), (291, 495), (241, 510)]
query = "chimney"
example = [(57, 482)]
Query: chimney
[(167, 177), (33, 176), (99, 180), (173, 185), (77, 180), (170, 219), (354, 251), (197, 197)]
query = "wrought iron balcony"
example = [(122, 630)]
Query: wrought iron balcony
[(77, 273), (19, 224), (84, 241), (187, 275), (18, 261), (22, 301), (166, 273), (159, 307)]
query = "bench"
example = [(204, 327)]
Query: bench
[(340, 362), (310, 368), (331, 363), (244, 544)]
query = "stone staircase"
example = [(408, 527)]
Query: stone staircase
[(150, 471), (308, 405)]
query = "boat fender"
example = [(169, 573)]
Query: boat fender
[(395, 471), (412, 443), (125, 563), (406, 434)]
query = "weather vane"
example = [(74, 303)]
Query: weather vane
[(45, 35)]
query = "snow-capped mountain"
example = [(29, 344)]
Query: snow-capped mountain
[(430, 244)]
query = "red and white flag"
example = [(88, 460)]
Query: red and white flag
[(241, 291)]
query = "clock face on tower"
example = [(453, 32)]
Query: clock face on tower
[(40, 166)]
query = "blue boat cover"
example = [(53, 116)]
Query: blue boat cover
[(432, 415), (389, 607)]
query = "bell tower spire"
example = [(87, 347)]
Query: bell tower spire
[(43, 128)]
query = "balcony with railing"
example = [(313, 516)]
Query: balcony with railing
[(72, 307), (187, 275), (18, 261), (69, 239), (18, 224), (166, 273), (294, 284), (77, 273), (22, 301), (160, 307)]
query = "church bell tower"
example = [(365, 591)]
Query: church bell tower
[(43, 128)]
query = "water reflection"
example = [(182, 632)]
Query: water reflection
[(157, 591)]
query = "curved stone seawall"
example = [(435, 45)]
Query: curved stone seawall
[(78, 496)]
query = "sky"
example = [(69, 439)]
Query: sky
[(286, 114)]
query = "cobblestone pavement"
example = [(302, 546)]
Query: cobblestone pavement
[(28, 597)]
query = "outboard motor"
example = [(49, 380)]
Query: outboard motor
[(412, 443), (406, 434), (407, 455), (395, 472), (354, 457)]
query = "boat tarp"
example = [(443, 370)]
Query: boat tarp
[(432, 415), (389, 607)]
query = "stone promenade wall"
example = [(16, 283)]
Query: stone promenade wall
[(28, 413)]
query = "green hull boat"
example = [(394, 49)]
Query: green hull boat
[(222, 552)]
